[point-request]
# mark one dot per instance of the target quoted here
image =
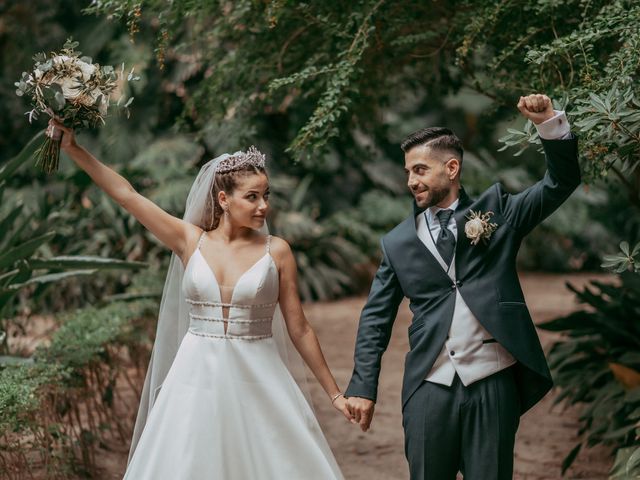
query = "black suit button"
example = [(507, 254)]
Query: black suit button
[(453, 353), (453, 286), (459, 283)]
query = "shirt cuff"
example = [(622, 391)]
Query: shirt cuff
[(556, 128)]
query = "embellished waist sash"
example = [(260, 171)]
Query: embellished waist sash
[(244, 322)]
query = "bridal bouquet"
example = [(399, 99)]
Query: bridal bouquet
[(74, 90)]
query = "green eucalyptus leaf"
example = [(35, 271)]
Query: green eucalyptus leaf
[(60, 100), (624, 246)]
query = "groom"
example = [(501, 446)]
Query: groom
[(475, 362)]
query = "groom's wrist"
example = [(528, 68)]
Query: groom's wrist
[(554, 128), (360, 393)]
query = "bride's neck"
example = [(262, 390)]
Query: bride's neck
[(230, 232)]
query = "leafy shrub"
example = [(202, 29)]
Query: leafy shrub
[(59, 408), (597, 365)]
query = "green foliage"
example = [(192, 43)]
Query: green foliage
[(83, 335), (627, 259), (331, 88), (318, 61), (310, 80), (67, 395), (597, 365), (593, 62), (22, 239), (20, 399), (332, 253), (17, 271), (19, 160), (365, 55), (627, 464), (33, 205)]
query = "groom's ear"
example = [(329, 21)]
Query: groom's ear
[(452, 166)]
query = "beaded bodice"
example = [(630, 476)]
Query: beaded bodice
[(245, 310)]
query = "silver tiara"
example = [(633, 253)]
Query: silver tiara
[(239, 160)]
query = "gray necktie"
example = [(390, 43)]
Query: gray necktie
[(446, 242)]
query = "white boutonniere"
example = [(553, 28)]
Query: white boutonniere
[(479, 227)]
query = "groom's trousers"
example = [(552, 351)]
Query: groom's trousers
[(468, 429)]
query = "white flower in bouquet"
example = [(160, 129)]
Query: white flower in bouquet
[(72, 88)]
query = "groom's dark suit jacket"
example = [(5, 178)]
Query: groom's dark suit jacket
[(486, 277)]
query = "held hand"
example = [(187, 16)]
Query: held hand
[(362, 411), (57, 131), (340, 404), (537, 108)]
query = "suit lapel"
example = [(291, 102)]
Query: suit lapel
[(421, 248), (463, 244)]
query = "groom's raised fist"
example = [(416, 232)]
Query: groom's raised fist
[(537, 108), (362, 411)]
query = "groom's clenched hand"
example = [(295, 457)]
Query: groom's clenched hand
[(362, 411), (537, 108)]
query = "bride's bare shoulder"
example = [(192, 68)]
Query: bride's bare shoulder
[(280, 248)]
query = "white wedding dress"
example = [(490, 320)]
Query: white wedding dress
[(229, 409)]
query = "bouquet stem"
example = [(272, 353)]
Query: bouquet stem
[(48, 155)]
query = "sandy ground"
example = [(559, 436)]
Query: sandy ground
[(547, 433)]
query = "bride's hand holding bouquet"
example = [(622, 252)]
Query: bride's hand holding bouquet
[(65, 136), (73, 90)]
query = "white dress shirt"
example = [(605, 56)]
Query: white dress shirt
[(469, 350)]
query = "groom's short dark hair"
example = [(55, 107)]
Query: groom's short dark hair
[(437, 138)]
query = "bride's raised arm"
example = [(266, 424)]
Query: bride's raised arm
[(173, 232)]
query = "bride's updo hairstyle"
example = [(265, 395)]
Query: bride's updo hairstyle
[(228, 173)]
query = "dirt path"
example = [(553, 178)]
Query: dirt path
[(545, 436)]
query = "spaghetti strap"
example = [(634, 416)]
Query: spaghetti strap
[(269, 244), (201, 238)]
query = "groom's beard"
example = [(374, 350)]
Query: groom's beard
[(434, 197)]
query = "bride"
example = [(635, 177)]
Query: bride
[(224, 396)]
